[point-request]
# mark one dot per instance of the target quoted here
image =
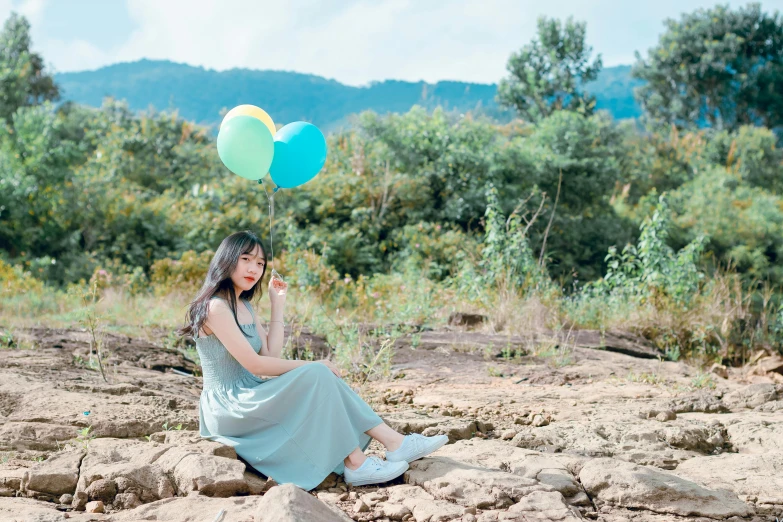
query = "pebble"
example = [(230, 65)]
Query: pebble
[(96, 506)]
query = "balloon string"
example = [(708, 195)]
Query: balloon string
[(271, 202)]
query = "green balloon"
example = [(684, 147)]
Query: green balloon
[(246, 147)]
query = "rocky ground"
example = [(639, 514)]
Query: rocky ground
[(556, 429)]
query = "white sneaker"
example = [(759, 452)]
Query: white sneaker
[(374, 471), (416, 446)]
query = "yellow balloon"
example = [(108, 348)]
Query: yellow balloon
[(251, 110)]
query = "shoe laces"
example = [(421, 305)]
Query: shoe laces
[(375, 461), (416, 439)]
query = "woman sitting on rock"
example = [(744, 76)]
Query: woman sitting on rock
[(305, 422)]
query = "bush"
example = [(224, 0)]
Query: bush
[(431, 247), (186, 274), (506, 263), (650, 271), (14, 280)]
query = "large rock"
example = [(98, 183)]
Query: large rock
[(456, 428), (646, 442), (154, 471), (38, 436), (203, 472), (393, 511), (701, 402), (541, 505), (193, 508), (131, 465), (701, 439), (618, 483), (288, 503), (425, 507), (55, 476), (16, 509), (757, 435), (11, 480), (103, 490), (552, 469), (44, 395), (472, 486), (751, 396), (754, 478), (195, 442)]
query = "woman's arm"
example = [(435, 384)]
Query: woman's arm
[(264, 335), (221, 321), (277, 295)]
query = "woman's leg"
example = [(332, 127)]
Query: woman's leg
[(383, 434), (386, 436), (355, 459)]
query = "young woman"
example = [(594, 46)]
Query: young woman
[(303, 423)]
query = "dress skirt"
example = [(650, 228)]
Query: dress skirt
[(296, 428)]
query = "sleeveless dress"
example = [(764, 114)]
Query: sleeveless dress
[(296, 428)]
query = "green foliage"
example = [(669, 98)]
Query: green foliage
[(745, 223), (751, 153), (91, 318), (549, 74), (703, 380), (506, 262), (84, 437), (166, 427), (184, 275), (506, 249), (431, 248), (584, 151), (718, 67), (23, 81), (14, 280), (650, 271)]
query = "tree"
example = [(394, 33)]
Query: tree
[(23, 81), (716, 67), (550, 72)]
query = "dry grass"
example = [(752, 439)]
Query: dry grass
[(719, 324)]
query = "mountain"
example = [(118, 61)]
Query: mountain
[(200, 94)]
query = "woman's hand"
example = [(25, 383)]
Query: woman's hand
[(331, 366), (277, 291)]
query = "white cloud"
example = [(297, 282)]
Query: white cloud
[(31, 9), (357, 41), (75, 55), (5, 9), (354, 41)]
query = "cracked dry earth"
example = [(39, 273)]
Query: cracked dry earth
[(580, 436)]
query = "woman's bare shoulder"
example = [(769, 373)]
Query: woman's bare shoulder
[(217, 306), (216, 313)]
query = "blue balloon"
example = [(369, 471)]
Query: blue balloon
[(300, 153)]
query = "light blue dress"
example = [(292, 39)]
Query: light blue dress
[(295, 428)]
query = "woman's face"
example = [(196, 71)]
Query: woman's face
[(249, 269)]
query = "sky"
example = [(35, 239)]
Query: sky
[(352, 41)]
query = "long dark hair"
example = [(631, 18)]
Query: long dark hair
[(218, 281)]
